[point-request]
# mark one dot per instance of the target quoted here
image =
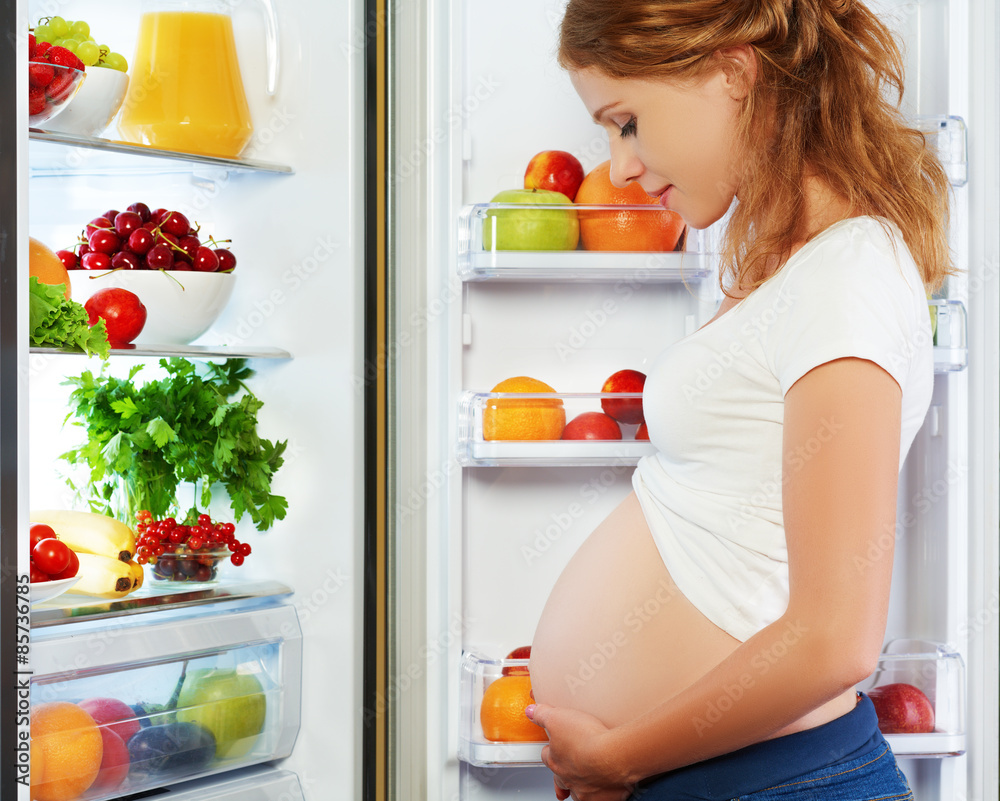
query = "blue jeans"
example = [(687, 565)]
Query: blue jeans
[(846, 759)]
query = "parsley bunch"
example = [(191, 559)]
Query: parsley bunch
[(143, 440)]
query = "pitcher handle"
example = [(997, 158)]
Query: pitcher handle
[(271, 31)]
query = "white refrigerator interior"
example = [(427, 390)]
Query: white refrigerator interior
[(296, 310), (499, 523)]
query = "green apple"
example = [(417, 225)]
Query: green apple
[(531, 229), (228, 703)]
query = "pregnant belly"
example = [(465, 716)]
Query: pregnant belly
[(616, 636)]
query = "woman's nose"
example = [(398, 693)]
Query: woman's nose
[(625, 166)]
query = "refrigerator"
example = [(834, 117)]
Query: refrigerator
[(415, 555), (483, 528)]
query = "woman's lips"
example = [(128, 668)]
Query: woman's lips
[(664, 198)]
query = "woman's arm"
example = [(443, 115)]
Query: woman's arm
[(841, 461)]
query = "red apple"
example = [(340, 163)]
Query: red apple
[(116, 715), (122, 311), (627, 410), (555, 170), (641, 432), (902, 709), (114, 763), (521, 652), (592, 425)]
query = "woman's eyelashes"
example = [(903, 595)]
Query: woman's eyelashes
[(628, 129)]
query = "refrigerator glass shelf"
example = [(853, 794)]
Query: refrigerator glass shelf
[(693, 259), (947, 137), (948, 322), (939, 674), (478, 673), (189, 351), (504, 412), (59, 154)]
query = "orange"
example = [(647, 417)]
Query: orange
[(70, 751), (502, 711), (628, 229), (523, 418), (46, 265)]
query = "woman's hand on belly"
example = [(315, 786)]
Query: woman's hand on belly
[(577, 755)]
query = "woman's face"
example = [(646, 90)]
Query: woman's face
[(676, 140)]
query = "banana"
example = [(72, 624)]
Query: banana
[(89, 532), (138, 574), (103, 576)]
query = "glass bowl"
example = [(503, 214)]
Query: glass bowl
[(187, 567), (95, 105), (57, 93)]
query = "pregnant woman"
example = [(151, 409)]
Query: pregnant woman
[(705, 640)]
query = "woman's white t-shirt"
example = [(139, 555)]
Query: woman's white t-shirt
[(714, 406)]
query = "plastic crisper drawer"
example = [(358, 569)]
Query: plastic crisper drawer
[(478, 673), (479, 259), (188, 697), (475, 450), (918, 670)]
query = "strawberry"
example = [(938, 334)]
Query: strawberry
[(40, 74), (42, 49), (62, 57), (31, 45), (36, 100), (61, 86)]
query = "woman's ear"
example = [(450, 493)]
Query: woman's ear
[(739, 64)]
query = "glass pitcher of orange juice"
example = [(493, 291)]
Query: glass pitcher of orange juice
[(186, 89)]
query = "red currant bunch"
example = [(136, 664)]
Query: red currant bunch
[(188, 551)]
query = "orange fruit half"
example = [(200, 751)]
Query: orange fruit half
[(44, 264), (628, 229), (523, 418), (502, 712)]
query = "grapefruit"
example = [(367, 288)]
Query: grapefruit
[(45, 265), (502, 711), (523, 418), (628, 229)]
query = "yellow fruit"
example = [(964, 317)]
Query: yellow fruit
[(70, 751), (103, 576), (523, 418), (502, 711), (46, 265), (89, 532)]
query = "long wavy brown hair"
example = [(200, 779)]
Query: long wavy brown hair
[(825, 101)]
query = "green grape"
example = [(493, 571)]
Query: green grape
[(60, 30), (116, 61), (43, 33), (88, 53), (69, 44), (80, 28)]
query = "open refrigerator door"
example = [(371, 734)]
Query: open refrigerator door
[(484, 527)]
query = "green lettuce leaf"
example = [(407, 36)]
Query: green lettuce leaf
[(60, 323)]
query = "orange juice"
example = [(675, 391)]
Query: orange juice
[(186, 91)]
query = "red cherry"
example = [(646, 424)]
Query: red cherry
[(126, 222), (140, 241), (98, 223), (141, 209), (104, 242), (156, 215), (69, 259), (95, 261), (175, 223), (166, 238), (160, 258), (227, 261), (206, 261), (111, 215), (123, 260), (190, 245)]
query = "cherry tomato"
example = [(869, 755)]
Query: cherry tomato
[(51, 556), (71, 569), (37, 575), (39, 532)]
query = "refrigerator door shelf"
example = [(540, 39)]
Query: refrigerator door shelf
[(478, 673), (692, 260), (186, 351), (947, 137), (949, 326), (512, 411), (939, 674), (261, 783)]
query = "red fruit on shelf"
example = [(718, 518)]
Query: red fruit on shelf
[(641, 432), (175, 223), (140, 241), (126, 222), (31, 45), (40, 74), (51, 556), (103, 241), (62, 84), (116, 715), (38, 575), (592, 425), (98, 224), (555, 170), (36, 100), (92, 260), (111, 215), (141, 209), (71, 569), (902, 709), (122, 311), (227, 261), (63, 57), (114, 763), (627, 410), (189, 244), (41, 48), (160, 257), (205, 261), (123, 260), (40, 531), (521, 652)]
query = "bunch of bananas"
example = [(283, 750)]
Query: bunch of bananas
[(103, 545)]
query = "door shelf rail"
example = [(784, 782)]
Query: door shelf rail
[(949, 328)]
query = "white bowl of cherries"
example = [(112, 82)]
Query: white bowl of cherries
[(184, 281)]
